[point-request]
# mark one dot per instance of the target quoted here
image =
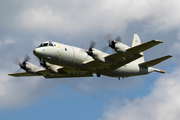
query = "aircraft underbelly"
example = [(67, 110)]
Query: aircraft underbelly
[(126, 71)]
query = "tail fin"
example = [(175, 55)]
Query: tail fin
[(155, 61), (137, 41)]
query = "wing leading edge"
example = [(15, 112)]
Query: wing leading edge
[(24, 74), (48, 74), (142, 47)]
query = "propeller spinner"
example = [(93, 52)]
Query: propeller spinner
[(23, 64), (90, 51), (42, 63), (111, 42)]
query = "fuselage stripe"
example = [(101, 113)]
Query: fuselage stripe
[(73, 55)]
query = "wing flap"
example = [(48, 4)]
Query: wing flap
[(142, 47), (70, 75), (155, 61)]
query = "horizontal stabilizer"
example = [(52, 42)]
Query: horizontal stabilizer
[(155, 61), (142, 47)]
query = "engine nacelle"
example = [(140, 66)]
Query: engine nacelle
[(51, 67), (29, 67), (99, 56), (120, 47)]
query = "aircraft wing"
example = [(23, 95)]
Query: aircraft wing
[(142, 47), (119, 60), (24, 74), (122, 62), (68, 73)]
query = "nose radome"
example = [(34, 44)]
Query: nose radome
[(34, 51), (38, 52)]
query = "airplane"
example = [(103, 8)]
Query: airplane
[(65, 61)]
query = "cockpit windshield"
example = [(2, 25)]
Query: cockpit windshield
[(50, 43), (46, 44), (41, 45)]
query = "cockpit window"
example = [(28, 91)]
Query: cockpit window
[(45, 44), (41, 45), (50, 43)]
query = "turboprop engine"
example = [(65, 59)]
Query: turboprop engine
[(120, 47), (117, 45), (97, 55), (28, 67)]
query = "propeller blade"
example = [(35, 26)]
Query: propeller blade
[(27, 58), (42, 63), (92, 44), (108, 37), (118, 39), (23, 64), (17, 62)]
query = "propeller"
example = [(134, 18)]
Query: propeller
[(42, 63), (23, 64), (111, 42), (90, 51)]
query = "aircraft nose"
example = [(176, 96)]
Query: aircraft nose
[(34, 51), (38, 52)]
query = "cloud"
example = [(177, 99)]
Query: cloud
[(32, 22), (75, 17), (162, 103), (18, 92), (8, 41)]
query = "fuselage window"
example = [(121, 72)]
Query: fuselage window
[(65, 49)]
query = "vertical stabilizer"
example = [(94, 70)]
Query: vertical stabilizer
[(135, 42)]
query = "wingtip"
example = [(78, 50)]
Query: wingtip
[(169, 56), (158, 41), (10, 74)]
